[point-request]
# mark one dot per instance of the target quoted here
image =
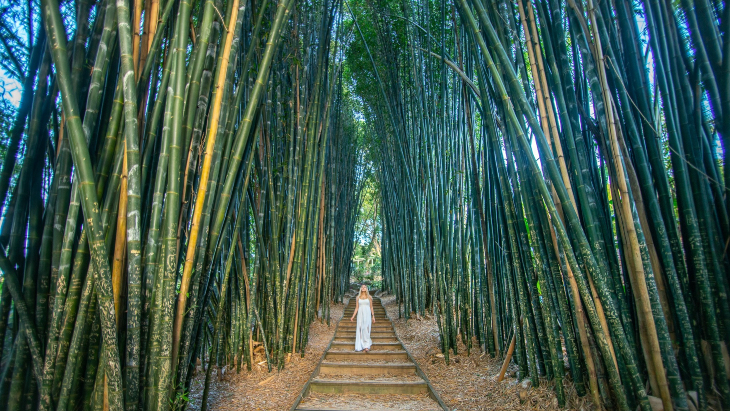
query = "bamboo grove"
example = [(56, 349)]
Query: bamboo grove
[(176, 188), (552, 183)]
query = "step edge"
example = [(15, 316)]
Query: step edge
[(365, 365), (371, 383)]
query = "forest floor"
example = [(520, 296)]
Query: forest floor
[(260, 390), (470, 382)]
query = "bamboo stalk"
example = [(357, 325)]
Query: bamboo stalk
[(200, 198), (507, 359)]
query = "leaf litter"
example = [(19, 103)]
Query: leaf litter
[(259, 389), (469, 382)]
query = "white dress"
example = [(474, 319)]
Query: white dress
[(362, 335)]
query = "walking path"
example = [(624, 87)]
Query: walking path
[(386, 378)]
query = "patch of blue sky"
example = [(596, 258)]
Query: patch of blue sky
[(10, 88)]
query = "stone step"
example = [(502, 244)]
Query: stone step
[(360, 356), (373, 330), (405, 368), (348, 315), (367, 387), (378, 316), (378, 320), (378, 312), (350, 337), (352, 402), (353, 301), (376, 303), (349, 345), (378, 325), (352, 334)]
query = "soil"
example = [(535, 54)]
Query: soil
[(260, 390), (470, 382)]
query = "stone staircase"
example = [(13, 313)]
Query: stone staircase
[(386, 378)]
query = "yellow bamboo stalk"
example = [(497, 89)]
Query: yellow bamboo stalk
[(602, 318), (145, 42), (135, 31), (61, 128), (552, 122), (507, 357), (637, 275), (537, 63), (540, 82), (581, 321), (648, 238), (536, 81), (630, 268), (154, 20), (214, 119), (120, 245), (290, 263)]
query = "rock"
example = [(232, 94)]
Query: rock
[(439, 355), (655, 403), (522, 394), (523, 390), (692, 401), (222, 373)]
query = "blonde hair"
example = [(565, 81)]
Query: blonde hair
[(367, 293)]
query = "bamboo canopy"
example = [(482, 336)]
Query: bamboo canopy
[(182, 181)]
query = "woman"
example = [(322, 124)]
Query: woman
[(364, 316)]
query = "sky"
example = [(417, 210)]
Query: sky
[(16, 22), (10, 88)]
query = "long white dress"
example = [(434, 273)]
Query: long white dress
[(362, 334)]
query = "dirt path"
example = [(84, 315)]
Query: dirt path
[(469, 382), (260, 390)]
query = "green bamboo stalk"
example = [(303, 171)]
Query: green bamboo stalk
[(53, 24)]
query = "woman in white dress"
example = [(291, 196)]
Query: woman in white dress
[(364, 317)]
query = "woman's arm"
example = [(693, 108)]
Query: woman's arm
[(357, 307), (372, 310)]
